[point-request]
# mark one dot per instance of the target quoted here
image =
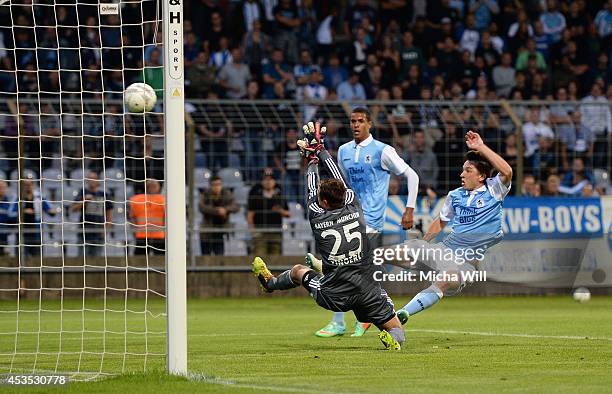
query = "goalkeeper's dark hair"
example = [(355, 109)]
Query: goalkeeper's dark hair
[(332, 191), (362, 110), (480, 162)]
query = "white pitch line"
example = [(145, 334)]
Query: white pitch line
[(242, 334), (229, 383), (504, 334), (480, 333)]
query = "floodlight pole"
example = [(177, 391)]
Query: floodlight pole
[(176, 240)]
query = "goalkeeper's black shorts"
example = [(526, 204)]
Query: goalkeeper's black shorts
[(371, 306)]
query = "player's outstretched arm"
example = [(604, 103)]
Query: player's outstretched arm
[(475, 142)]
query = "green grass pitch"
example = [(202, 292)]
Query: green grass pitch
[(463, 344)]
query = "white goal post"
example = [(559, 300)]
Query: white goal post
[(176, 215)]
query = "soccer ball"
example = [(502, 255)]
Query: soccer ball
[(139, 97), (582, 294)]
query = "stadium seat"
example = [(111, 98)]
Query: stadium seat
[(296, 226), (238, 217), (294, 247), (73, 250), (115, 239), (72, 237), (231, 177), (119, 213), (52, 236), (235, 247), (114, 249), (52, 249), (13, 239), (12, 187), (116, 191), (241, 194), (76, 176), (27, 174), (602, 177), (196, 200), (57, 218), (51, 184), (52, 174), (240, 225), (296, 210), (114, 174), (52, 230), (115, 185), (70, 193), (201, 177), (303, 232)]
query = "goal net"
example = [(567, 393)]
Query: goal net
[(82, 275)]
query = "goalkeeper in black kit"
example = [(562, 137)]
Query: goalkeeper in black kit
[(339, 228)]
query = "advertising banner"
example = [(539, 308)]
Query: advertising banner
[(548, 242)]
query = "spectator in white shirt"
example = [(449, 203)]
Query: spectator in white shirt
[(533, 129), (313, 91), (251, 11), (596, 116), (470, 37)]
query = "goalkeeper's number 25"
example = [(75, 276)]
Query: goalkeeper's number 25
[(348, 235)]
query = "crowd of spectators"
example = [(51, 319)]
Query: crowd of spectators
[(522, 49), (479, 50)]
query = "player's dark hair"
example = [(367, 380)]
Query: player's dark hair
[(362, 110), (215, 178), (480, 162), (332, 191)]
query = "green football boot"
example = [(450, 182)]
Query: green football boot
[(360, 329), (333, 329), (313, 263)]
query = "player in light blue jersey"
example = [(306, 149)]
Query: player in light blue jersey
[(475, 210), (368, 164)]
